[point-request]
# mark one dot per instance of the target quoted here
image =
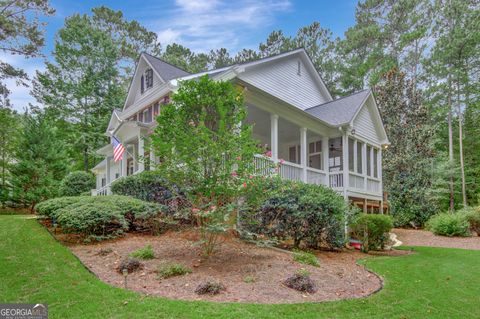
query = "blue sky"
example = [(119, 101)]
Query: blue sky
[(199, 24)]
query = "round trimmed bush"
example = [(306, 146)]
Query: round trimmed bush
[(449, 224), (372, 230), (77, 183), (307, 213)]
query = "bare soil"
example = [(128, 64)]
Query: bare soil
[(412, 237), (236, 264)]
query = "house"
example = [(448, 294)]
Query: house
[(313, 137)]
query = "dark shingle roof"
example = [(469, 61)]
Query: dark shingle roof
[(339, 111), (167, 71)]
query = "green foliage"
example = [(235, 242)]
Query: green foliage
[(407, 163), (10, 128), (21, 34), (77, 183), (249, 279), (449, 224), (100, 217), (307, 213), (150, 186), (144, 253), (305, 257), (40, 161), (472, 216), (372, 230), (167, 270)]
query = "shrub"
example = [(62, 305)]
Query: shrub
[(301, 282), (305, 257), (150, 186), (129, 264), (210, 288), (100, 217), (312, 214), (472, 216), (49, 207), (76, 183), (171, 270), (448, 224), (249, 279), (144, 253), (372, 230)]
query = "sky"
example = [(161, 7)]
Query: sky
[(200, 25)]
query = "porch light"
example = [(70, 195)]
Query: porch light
[(352, 132)]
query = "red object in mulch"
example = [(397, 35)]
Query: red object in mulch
[(357, 244)]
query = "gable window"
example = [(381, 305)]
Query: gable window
[(142, 84), (149, 78)]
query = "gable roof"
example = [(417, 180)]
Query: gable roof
[(166, 71), (340, 111)]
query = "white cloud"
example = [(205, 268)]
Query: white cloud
[(20, 95), (202, 25)]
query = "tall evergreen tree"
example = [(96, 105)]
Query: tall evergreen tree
[(9, 132)]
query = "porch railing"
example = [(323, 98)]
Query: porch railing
[(291, 171), (336, 179), (316, 176)]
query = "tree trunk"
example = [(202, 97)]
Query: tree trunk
[(85, 159), (450, 143), (460, 144)]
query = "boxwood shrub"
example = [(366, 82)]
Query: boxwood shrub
[(77, 183), (372, 229), (306, 213), (100, 216), (150, 186), (449, 224)]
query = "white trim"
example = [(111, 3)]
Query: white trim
[(377, 118)]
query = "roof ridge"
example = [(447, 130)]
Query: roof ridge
[(161, 60), (341, 98)]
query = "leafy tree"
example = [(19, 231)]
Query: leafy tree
[(9, 131), (40, 161), (21, 33), (408, 161), (185, 59), (82, 86), (204, 147)]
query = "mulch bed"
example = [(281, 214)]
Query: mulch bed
[(413, 237), (338, 277)]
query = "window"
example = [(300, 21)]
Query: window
[(359, 157), (369, 162), (130, 166), (142, 84), (351, 155), (156, 109), (117, 175), (375, 162), (147, 115), (104, 181), (149, 78), (315, 155), (335, 157), (140, 117), (292, 154)]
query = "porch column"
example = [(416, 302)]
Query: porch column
[(141, 153), (152, 159), (345, 163), (364, 165), (326, 168), (303, 152), (379, 168), (124, 162), (274, 136), (107, 169)]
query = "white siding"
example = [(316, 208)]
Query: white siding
[(365, 126), (280, 78), (136, 94)]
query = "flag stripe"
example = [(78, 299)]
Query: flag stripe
[(118, 149)]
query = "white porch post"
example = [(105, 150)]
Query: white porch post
[(364, 165), (124, 161), (379, 168), (303, 152), (141, 153), (355, 160), (326, 168), (274, 136), (107, 170), (345, 164)]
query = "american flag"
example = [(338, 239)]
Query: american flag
[(118, 149)]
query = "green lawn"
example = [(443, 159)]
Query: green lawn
[(34, 268)]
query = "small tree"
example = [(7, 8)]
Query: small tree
[(76, 183), (41, 162), (204, 147)]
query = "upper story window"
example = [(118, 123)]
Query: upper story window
[(149, 78), (146, 80)]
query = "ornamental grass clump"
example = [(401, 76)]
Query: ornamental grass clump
[(172, 269), (144, 253), (305, 257)]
